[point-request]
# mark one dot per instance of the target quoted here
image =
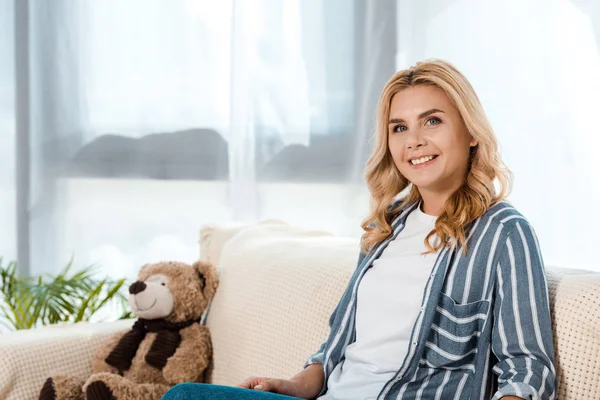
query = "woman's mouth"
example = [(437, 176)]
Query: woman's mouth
[(422, 162)]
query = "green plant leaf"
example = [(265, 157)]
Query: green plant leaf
[(68, 296), (112, 290), (91, 297), (8, 317)]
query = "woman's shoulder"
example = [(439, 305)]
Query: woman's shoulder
[(505, 215)]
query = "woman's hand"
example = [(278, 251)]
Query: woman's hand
[(306, 385), (281, 386)]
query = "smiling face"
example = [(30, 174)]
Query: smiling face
[(173, 290), (428, 140), (151, 298)]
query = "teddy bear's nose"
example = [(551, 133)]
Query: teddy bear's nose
[(136, 287)]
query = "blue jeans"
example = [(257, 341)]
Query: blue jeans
[(201, 391)]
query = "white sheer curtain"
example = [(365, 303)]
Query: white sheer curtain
[(8, 238), (536, 67), (148, 119)]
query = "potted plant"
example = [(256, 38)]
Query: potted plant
[(68, 297)]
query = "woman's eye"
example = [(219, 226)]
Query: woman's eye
[(400, 128), (434, 121)]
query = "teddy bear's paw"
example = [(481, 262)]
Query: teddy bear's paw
[(62, 388), (98, 390), (48, 392)]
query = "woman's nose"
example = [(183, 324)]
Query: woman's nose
[(415, 142), (414, 139), (415, 145)]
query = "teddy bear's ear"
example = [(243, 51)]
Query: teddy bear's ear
[(207, 274), (143, 270)]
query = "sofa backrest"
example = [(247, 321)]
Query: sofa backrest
[(279, 285)]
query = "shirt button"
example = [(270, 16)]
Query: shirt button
[(414, 343), (422, 308)]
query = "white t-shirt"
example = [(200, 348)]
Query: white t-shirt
[(388, 303)]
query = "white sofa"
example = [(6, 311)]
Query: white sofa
[(278, 286)]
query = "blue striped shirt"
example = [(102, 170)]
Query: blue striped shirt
[(484, 330)]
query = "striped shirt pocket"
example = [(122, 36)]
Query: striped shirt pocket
[(455, 332)]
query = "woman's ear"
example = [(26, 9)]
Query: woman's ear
[(208, 278), (474, 142)]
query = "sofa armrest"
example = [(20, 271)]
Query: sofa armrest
[(574, 299), (29, 357)]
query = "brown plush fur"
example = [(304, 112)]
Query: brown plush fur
[(63, 387), (192, 288), (98, 363), (122, 388)]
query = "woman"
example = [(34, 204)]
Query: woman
[(449, 299)]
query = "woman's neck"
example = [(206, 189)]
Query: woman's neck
[(433, 203)]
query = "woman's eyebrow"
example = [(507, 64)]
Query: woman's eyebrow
[(421, 116)]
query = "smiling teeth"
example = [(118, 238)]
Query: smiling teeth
[(421, 160)]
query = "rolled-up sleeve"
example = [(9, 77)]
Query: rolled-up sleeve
[(522, 330), (318, 357)]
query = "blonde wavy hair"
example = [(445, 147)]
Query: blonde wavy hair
[(472, 199)]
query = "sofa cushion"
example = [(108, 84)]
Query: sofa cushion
[(213, 238), (278, 286)]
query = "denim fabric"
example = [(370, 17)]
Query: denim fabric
[(201, 391)]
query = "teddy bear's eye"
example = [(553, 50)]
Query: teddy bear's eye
[(163, 284)]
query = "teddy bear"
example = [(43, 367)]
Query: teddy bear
[(166, 345)]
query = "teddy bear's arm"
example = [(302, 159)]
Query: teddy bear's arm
[(98, 361), (191, 357)]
